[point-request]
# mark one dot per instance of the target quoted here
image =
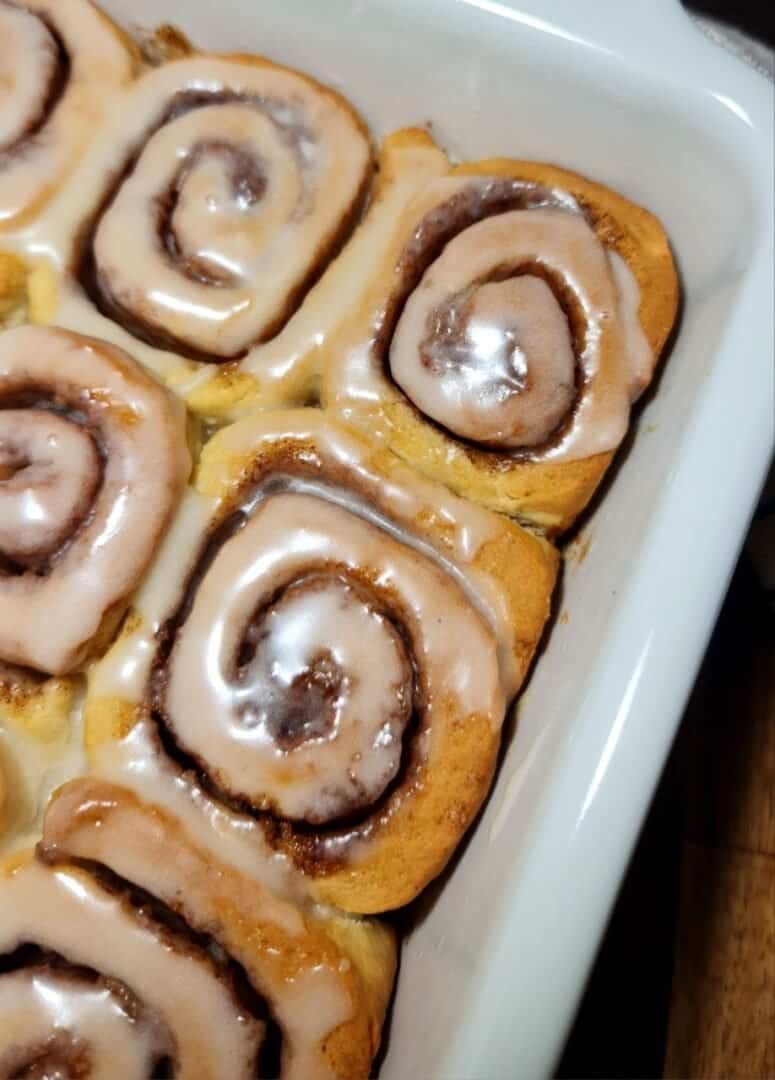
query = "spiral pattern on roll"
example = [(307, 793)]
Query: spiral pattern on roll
[(62, 60), (94, 985), (93, 458), (236, 182), (505, 310), (297, 651)]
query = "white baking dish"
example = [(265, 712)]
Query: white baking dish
[(634, 96)]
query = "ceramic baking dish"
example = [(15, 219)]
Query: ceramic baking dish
[(634, 96)]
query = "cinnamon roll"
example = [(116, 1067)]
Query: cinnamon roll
[(296, 655), (62, 62), (318, 982), (91, 986), (506, 316), (197, 227), (93, 458), (100, 979)]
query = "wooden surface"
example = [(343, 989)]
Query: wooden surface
[(722, 1017), (684, 985)]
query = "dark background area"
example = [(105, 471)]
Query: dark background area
[(752, 16)]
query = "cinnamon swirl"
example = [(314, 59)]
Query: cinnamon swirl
[(62, 62), (93, 458), (197, 227), (507, 315), (297, 650)]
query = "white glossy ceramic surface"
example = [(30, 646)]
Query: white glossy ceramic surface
[(633, 95)]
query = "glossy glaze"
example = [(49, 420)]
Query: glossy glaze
[(67, 912), (52, 102), (92, 466)]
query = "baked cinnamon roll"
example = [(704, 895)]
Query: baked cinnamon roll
[(128, 950), (297, 652), (506, 316), (62, 62), (201, 220), (91, 986), (93, 458)]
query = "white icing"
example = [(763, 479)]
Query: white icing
[(288, 536), (564, 244), (49, 472), (137, 761), (67, 912), (357, 376), (310, 1007), (639, 354), (146, 464), (99, 63), (395, 501), (491, 362), (325, 698), (237, 239), (261, 242), (385, 520), (28, 64), (39, 1005), (418, 513), (308, 1000), (35, 765), (124, 670), (278, 365)]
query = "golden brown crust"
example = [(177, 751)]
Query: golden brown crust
[(13, 287), (129, 44), (546, 495), (39, 707), (414, 844)]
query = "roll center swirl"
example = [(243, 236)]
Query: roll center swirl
[(50, 472), (230, 191), (493, 340), (327, 664), (70, 1021), (92, 460), (501, 357), (307, 681)]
